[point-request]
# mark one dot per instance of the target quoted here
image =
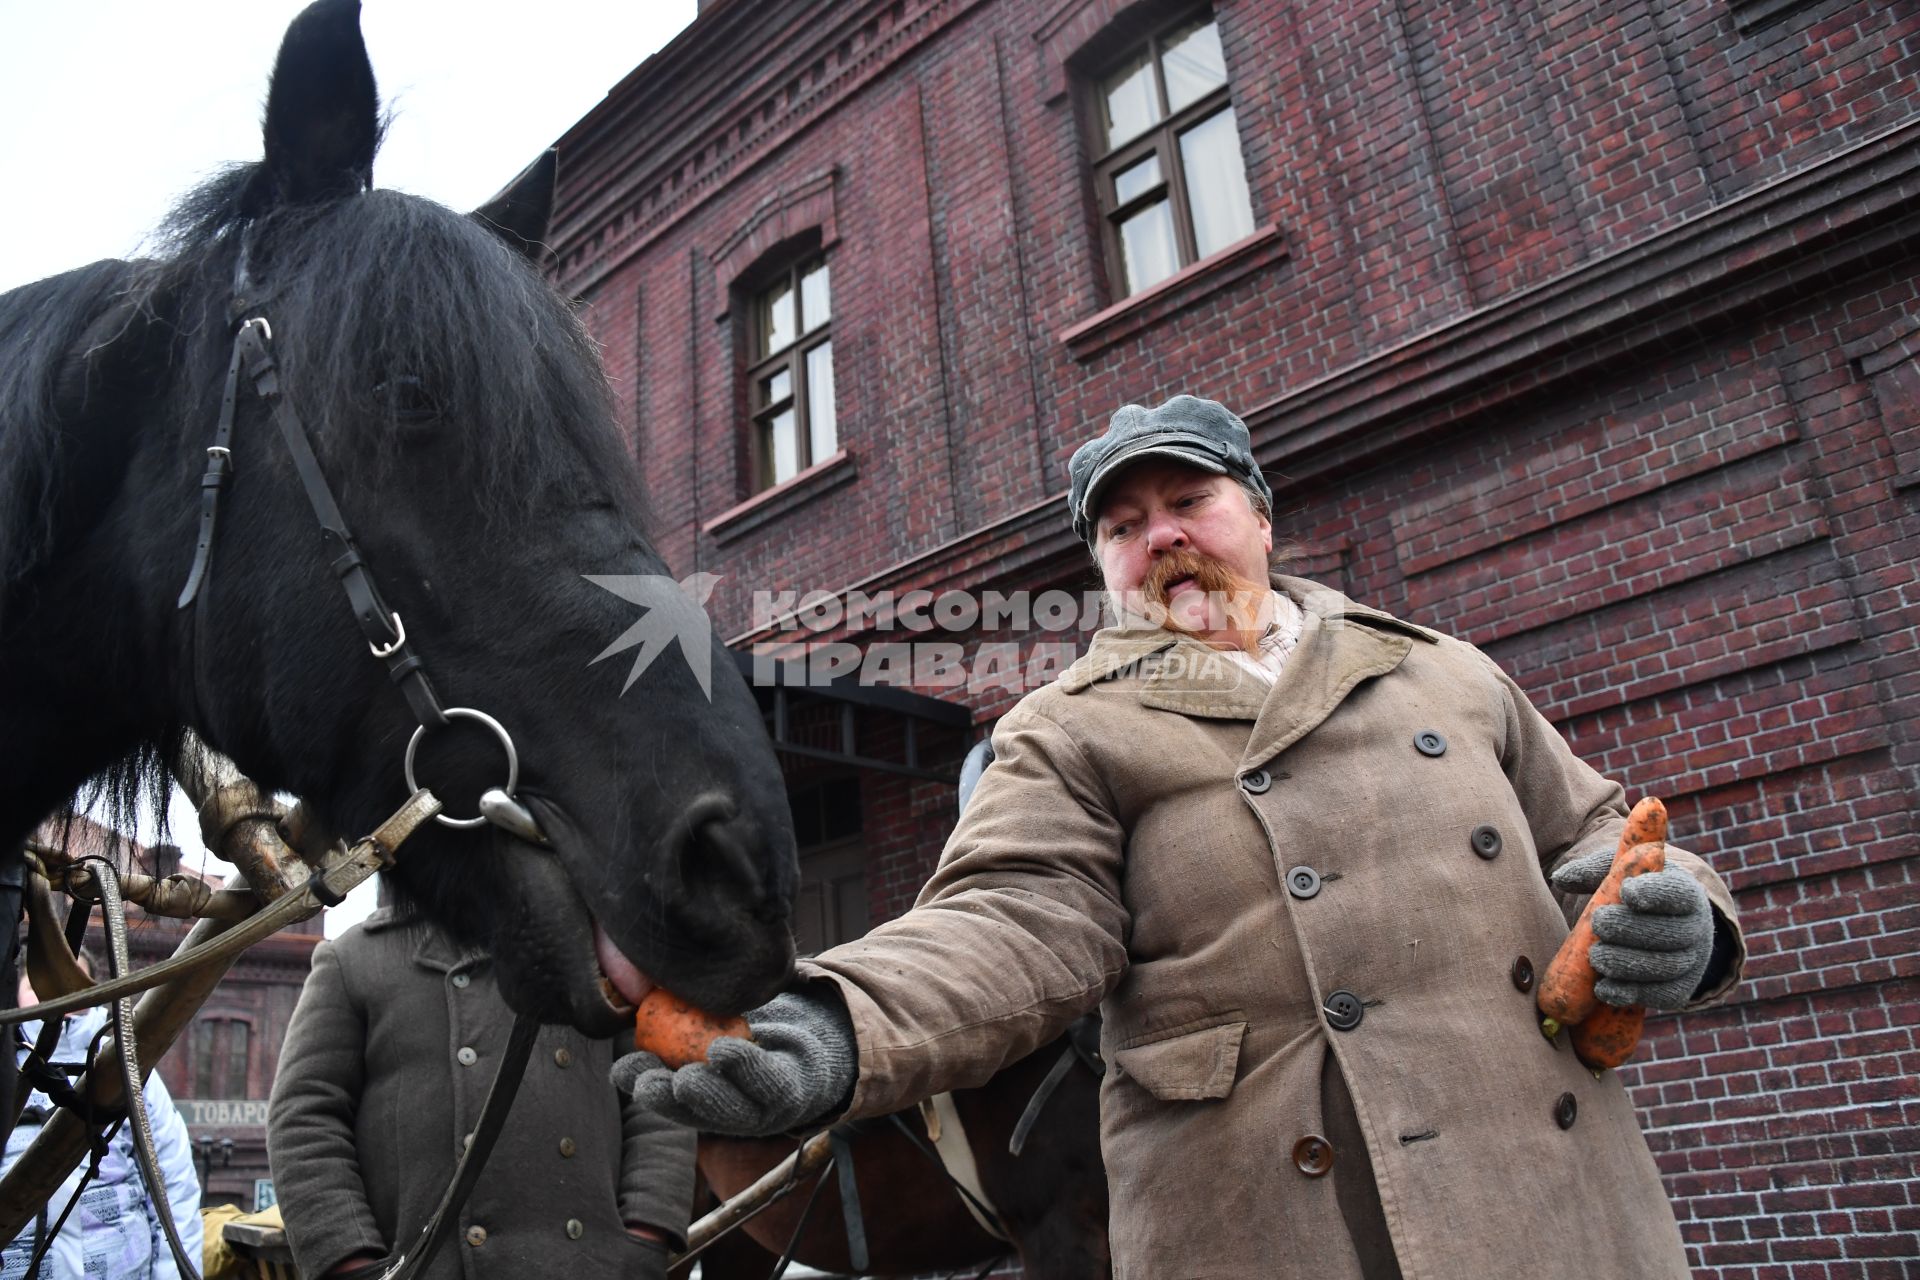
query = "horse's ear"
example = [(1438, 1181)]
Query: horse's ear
[(519, 214), (323, 112)]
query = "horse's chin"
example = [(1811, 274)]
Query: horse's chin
[(546, 951)]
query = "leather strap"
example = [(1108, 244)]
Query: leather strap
[(378, 623), (132, 1079), (1038, 1102), (850, 1202), (219, 470)]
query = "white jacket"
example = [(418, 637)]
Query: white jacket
[(113, 1231)]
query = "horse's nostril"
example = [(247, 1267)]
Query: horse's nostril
[(723, 847)]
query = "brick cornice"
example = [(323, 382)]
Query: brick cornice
[(734, 88), (1812, 224)]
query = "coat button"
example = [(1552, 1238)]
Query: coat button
[(476, 1236), (461, 980), (1344, 1011), (467, 1056), (562, 1058), (1313, 1155), (1566, 1110), (1303, 882), (575, 1228), (1486, 841), (1523, 974), (1256, 782), (1429, 743), (566, 1147)]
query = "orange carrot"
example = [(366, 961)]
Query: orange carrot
[(1565, 997), (1608, 1036), (677, 1031)]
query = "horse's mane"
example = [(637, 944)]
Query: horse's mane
[(40, 325), (387, 285)]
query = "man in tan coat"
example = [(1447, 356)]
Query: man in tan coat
[(1302, 855)]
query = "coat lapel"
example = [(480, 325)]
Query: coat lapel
[(1340, 645)]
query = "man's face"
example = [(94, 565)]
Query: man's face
[(1183, 547)]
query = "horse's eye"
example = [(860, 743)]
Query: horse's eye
[(407, 399)]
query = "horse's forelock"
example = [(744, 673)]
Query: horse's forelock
[(386, 285)]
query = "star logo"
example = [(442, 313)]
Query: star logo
[(675, 611)]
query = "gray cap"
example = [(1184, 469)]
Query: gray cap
[(1200, 433)]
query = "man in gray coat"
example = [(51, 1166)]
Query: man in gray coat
[(1302, 853), (385, 1068)]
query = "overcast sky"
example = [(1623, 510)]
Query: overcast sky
[(113, 108)]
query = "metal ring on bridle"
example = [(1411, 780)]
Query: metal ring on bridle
[(499, 731)]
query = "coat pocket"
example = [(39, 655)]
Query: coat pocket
[(1188, 1067)]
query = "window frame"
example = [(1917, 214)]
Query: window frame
[(793, 359), (1161, 140)]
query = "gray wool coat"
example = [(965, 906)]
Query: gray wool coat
[(1312, 916), (385, 1068)]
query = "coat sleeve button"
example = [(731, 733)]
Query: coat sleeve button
[(1486, 841), (1429, 743), (1566, 1110), (476, 1236), (1256, 781), (467, 1056), (575, 1228), (1523, 974), (1313, 1155), (1344, 1010), (562, 1058), (1303, 882)]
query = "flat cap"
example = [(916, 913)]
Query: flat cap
[(1200, 433)]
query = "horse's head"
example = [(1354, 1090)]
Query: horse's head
[(459, 415)]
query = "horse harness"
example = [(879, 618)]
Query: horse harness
[(380, 625)]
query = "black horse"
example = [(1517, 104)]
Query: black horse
[(460, 415)]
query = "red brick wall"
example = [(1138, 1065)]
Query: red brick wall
[(1585, 331)]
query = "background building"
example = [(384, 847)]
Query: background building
[(1584, 331)]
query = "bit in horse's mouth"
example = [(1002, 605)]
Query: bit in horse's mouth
[(621, 982)]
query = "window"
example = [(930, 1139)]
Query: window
[(790, 380), (221, 1057), (1170, 181)]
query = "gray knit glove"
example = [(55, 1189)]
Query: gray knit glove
[(1653, 948), (799, 1067)]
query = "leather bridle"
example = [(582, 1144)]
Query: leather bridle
[(379, 623)]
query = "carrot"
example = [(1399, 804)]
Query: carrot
[(1565, 997), (1608, 1036), (677, 1031)]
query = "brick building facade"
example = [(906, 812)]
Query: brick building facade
[(1584, 331)]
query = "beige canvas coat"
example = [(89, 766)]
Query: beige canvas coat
[(1131, 847)]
